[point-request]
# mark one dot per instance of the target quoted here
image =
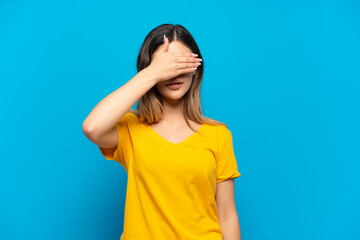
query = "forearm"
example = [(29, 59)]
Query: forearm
[(230, 228), (110, 109)]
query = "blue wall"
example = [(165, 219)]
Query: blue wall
[(284, 75)]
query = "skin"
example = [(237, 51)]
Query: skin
[(227, 214)]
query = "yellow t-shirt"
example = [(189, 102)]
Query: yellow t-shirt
[(171, 187)]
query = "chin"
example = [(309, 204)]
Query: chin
[(173, 95)]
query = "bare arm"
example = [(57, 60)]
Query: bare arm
[(227, 214), (109, 110)]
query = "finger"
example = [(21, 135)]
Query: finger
[(188, 59), (187, 65), (186, 70), (165, 45), (184, 54)]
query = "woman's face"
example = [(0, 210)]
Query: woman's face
[(166, 91)]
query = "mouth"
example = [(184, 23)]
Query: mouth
[(174, 83)]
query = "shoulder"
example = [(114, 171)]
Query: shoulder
[(130, 118), (132, 115), (217, 128), (219, 133), (223, 134)]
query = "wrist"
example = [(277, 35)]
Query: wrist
[(149, 76)]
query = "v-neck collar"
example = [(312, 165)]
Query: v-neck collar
[(157, 135)]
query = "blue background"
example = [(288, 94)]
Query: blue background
[(284, 75)]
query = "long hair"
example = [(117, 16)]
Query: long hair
[(150, 108)]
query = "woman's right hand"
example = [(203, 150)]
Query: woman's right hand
[(167, 65)]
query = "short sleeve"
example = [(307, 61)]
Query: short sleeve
[(226, 165), (120, 153)]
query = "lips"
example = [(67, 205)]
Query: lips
[(174, 82)]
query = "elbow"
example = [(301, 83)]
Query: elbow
[(88, 130)]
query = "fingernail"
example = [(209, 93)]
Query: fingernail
[(195, 54)]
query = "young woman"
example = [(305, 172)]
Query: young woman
[(180, 164)]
